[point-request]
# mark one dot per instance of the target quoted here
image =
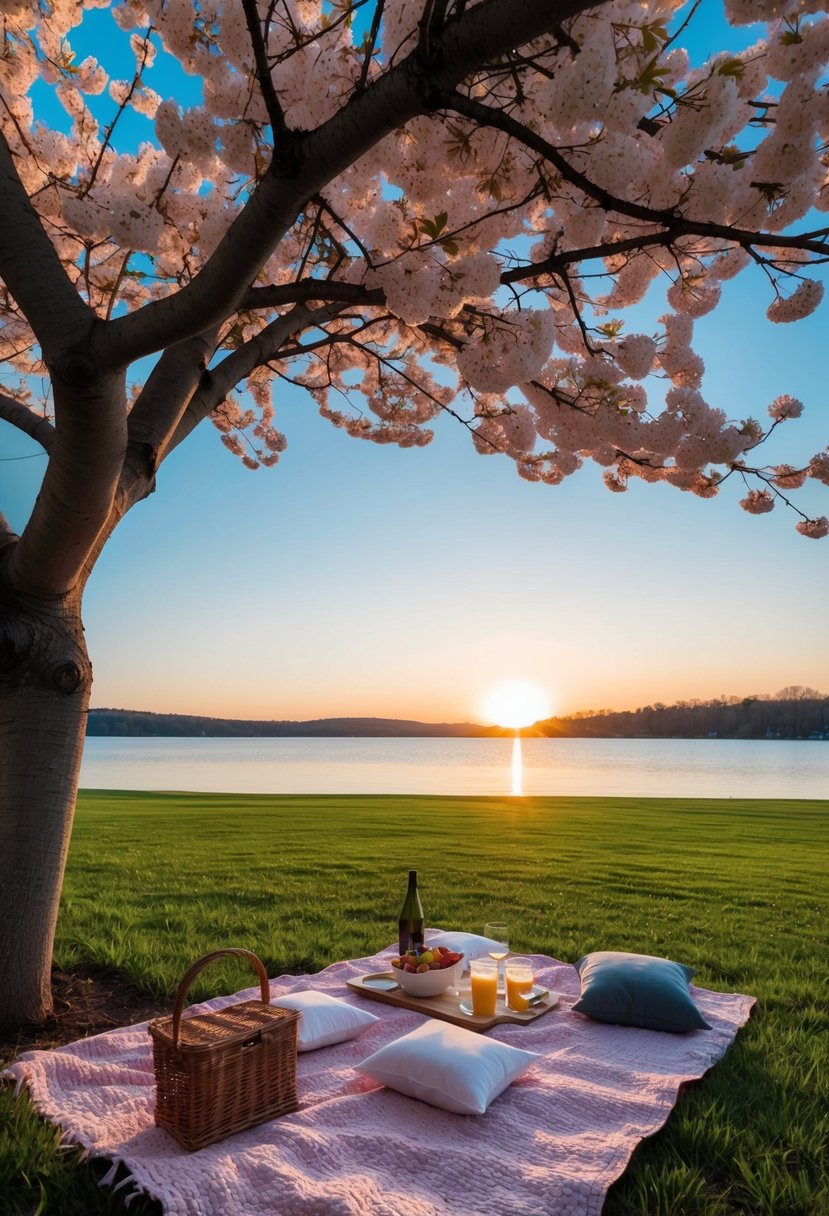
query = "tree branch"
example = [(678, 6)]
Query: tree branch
[(307, 290), (169, 387), (345, 337), (108, 133), (263, 71), (20, 416), (220, 380), (430, 25), (151, 422), (371, 42), (87, 448), (324, 204), (559, 261), (32, 270), (673, 223), (488, 116), (79, 486)]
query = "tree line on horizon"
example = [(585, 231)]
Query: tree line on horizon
[(793, 712), (143, 723)]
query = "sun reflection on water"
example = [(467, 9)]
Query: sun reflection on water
[(517, 767)]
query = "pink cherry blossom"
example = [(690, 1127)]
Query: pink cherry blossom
[(801, 303), (819, 467), (758, 502), (785, 407), (814, 528)]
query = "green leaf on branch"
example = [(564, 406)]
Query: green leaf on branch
[(610, 329), (489, 185), (730, 155), (652, 78), (433, 228), (732, 67), (654, 37), (460, 146)]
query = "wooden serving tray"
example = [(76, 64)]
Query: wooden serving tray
[(446, 1006)]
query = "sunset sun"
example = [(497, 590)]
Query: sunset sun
[(517, 703)]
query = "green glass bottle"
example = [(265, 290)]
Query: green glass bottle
[(411, 918)]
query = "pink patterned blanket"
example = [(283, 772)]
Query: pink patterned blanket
[(551, 1144)]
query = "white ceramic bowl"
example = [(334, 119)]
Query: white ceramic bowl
[(429, 983)]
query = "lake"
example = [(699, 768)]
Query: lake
[(657, 768)]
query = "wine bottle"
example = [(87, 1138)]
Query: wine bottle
[(411, 918)]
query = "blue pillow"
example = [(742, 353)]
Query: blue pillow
[(637, 990)]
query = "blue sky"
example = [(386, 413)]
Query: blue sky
[(357, 579), (354, 579)]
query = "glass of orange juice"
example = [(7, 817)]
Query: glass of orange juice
[(483, 976), (519, 980)]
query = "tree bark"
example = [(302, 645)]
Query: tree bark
[(45, 682)]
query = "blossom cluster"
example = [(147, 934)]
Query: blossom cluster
[(802, 302), (420, 285), (510, 350)]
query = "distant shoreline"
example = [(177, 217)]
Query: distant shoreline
[(752, 718), (126, 723)]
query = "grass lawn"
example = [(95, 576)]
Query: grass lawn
[(737, 889)]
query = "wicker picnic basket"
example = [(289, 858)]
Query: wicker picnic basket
[(220, 1072)]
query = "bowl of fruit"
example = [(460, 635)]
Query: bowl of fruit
[(428, 972)]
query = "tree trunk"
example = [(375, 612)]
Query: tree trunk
[(45, 682)]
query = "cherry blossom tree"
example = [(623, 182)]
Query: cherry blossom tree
[(405, 207)]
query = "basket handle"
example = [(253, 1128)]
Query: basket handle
[(184, 986)]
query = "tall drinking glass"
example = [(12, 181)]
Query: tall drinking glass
[(519, 983), (483, 981), (498, 931)]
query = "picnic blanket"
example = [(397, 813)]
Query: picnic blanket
[(550, 1144)]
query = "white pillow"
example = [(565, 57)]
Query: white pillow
[(325, 1019), (470, 945), (448, 1066)]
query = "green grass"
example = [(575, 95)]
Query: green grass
[(738, 889)]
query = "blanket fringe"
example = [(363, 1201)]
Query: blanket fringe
[(109, 1176), (108, 1180), (18, 1080), (119, 1186)]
